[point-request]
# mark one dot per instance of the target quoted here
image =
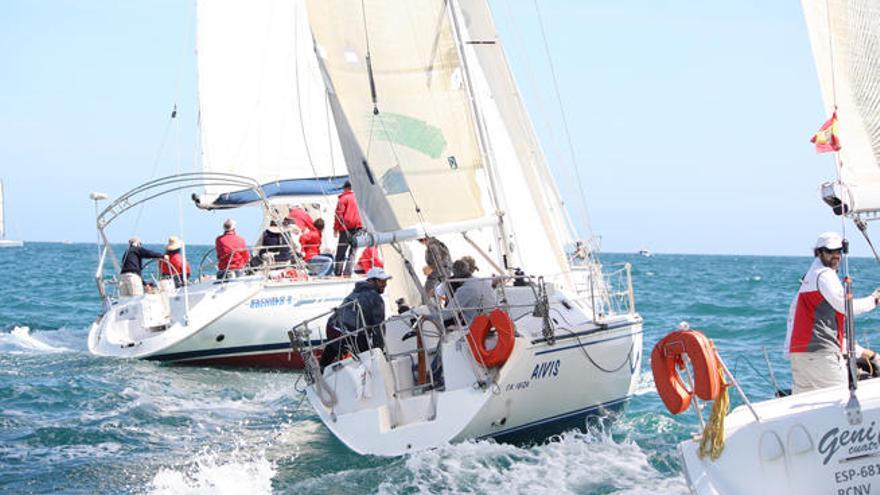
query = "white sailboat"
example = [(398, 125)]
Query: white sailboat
[(825, 441), (437, 143), (267, 142), (4, 242)]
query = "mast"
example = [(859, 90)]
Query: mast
[(503, 238)]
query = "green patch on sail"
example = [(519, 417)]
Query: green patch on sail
[(412, 133)]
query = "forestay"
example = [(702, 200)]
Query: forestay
[(263, 103), (845, 37), (399, 91)]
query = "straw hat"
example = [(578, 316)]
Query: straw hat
[(174, 243)]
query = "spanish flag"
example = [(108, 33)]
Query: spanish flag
[(827, 138)]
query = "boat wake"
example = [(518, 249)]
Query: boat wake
[(575, 463), (22, 340), (646, 384), (217, 473)]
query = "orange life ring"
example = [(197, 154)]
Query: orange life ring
[(666, 359), (478, 332)]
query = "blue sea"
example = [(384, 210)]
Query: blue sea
[(75, 423)]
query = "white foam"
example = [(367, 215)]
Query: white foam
[(646, 384), (293, 438), (20, 340), (238, 473), (576, 463)]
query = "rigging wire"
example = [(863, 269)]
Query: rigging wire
[(178, 85), (306, 147), (566, 131)]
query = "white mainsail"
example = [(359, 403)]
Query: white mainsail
[(263, 104), (845, 38), (403, 110)]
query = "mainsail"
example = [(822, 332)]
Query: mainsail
[(403, 110), (432, 138), (845, 38), (264, 112)]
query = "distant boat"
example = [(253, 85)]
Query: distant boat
[(645, 252), (4, 242)]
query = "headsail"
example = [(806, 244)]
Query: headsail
[(403, 110), (263, 104), (845, 38), (535, 214)]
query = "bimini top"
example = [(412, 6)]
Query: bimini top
[(318, 186)]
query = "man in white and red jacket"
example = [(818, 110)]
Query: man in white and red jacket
[(814, 341)]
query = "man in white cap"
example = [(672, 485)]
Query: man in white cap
[(814, 341), (363, 308)]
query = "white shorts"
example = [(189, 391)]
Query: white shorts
[(815, 370), (130, 284)]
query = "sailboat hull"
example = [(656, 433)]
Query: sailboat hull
[(802, 444), (5, 243), (242, 322), (544, 388)]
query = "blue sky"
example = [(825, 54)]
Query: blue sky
[(690, 120)]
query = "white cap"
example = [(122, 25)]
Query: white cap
[(377, 273), (830, 241)]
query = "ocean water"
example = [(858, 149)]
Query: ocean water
[(75, 423)]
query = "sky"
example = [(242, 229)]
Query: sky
[(690, 121)]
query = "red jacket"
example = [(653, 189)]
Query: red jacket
[(369, 259), (232, 253), (347, 217), (310, 241), (176, 261), (301, 218)]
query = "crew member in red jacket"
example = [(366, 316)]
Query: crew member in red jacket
[(301, 218), (174, 266), (232, 253), (346, 225), (369, 259), (317, 263)]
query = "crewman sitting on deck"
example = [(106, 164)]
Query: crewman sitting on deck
[(362, 311)]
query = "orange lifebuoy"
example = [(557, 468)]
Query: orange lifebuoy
[(666, 358), (478, 332)]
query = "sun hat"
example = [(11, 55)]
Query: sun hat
[(173, 243), (377, 273), (829, 240)]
